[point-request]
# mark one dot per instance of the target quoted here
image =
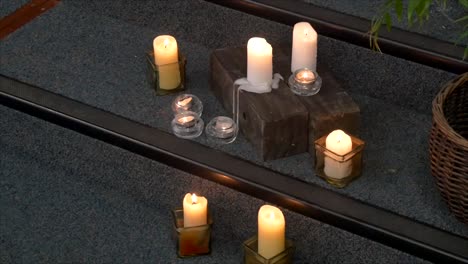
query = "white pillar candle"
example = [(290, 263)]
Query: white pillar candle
[(259, 61), (271, 231), (340, 143), (304, 47), (195, 210), (166, 57)]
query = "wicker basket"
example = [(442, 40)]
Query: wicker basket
[(448, 145)]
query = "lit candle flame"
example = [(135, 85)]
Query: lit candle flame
[(305, 76), (271, 215), (194, 198), (184, 101), (185, 119), (339, 138), (166, 42)]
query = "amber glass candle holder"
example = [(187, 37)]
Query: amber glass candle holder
[(251, 255), (338, 170), (191, 241), (168, 78)]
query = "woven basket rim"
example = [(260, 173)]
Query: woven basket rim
[(438, 110)]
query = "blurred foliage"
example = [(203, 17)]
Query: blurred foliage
[(417, 11)]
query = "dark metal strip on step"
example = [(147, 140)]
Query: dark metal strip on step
[(400, 43), (23, 15), (308, 199)]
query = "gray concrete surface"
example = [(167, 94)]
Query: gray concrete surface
[(440, 25), (93, 51), (67, 198)]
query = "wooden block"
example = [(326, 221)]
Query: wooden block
[(275, 123), (280, 123), (332, 108)]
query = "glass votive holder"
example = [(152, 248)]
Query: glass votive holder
[(338, 170), (187, 125), (191, 241), (166, 78), (251, 255), (222, 129), (305, 82), (187, 102)]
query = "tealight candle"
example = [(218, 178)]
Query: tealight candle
[(222, 129), (271, 231), (186, 121), (339, 143), (187, 102), (166, 58), (187, 125), (195, 210), (259, 61), (224, 124), (305, 76), (304, 47), (305, 82)]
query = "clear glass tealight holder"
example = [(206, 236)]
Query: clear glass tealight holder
[(305, 82), (167, 78), (222, 130), (191, 241), (338, 170), (251, 255), (187, 125), (187, 102)]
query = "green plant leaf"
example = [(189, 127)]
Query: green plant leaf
[(388, 5), (464, 35), (388, 21), (376, 26), (412, 4), (460, 38), (464, 3), (399, 8), (462, 19), (442, 3), (422, 10)]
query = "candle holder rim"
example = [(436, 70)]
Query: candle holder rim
[(357, 146), (199, 111), (150, 57), (252, 245), (187, 94), (316, 75), (187, 112), (178, 213)]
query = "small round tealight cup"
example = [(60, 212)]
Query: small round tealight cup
[(187, 125), (187, 102), (222, 129), (305, 82)]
